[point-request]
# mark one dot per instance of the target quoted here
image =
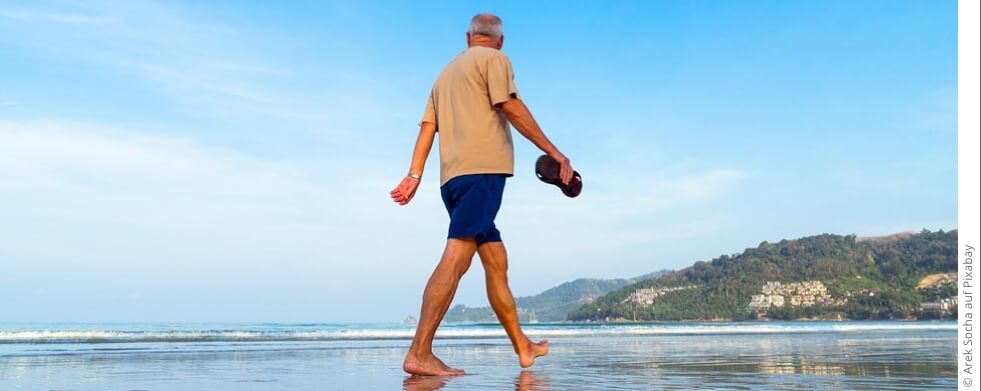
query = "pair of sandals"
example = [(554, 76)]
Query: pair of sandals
[(547, 170)]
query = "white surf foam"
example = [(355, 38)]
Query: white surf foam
[(455, 331)]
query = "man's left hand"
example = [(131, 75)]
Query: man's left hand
[(404, 192)]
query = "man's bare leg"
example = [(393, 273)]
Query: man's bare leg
[(495, 260), (435, 302)]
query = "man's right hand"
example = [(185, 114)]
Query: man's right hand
[(565, 166), (404, 192)]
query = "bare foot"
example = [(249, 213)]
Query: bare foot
[(531, 351), (428, 366)]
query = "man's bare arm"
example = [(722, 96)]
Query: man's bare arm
[(519, 116), (424, 143), (406, 189)]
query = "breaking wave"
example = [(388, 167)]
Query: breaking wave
[(253, 333)]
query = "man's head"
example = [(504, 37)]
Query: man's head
[(485, 30)]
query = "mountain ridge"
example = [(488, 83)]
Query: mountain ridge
[(815, 277)]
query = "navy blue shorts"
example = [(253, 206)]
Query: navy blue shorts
[(473, 201)]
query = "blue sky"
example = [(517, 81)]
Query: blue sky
[(231, 161)]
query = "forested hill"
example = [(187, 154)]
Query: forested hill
[(552, 305), (900, 276)]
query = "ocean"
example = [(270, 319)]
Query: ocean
[(583, 356)]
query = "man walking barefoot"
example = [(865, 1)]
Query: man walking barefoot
[(470, 105)]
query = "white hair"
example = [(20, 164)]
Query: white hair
[(487, 25)]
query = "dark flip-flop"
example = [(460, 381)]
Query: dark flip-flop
[(547, 169)]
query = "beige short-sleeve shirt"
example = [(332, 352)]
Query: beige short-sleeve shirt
[(474, 137)]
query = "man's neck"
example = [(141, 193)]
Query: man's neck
[(483, 42)]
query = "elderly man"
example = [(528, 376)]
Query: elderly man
[(470, 106)]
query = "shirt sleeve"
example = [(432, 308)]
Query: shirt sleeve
[(430, 114), (500, 80)]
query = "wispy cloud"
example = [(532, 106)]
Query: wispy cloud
[(13, 15), (78, 19), (612, 195), (112, 201), (65, 174), (198, 62), (34, 16)]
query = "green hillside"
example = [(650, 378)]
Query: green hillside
[(818, 277), (552, 305)]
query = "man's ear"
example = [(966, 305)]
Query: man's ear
[(500, 43), (468, 39)]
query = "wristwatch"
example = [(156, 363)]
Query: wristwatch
[(414, 175)]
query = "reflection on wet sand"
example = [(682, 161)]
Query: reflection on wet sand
[(525, 381), (531, 381), (423, 383), (819, 366)]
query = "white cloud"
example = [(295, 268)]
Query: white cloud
[(197, 61), (55, 17), (125, 182), (78, 19), (13, 15), (613, 195), (137, 210)]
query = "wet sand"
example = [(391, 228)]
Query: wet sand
[(904, 360)]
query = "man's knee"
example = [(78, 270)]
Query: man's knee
[(495, 266), (462, 266), (494, 258), (459, 253), (451, 270)]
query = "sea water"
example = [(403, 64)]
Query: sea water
[(583, 356)]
